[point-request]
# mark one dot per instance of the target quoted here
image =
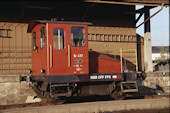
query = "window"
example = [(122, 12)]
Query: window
[(42, 37), (58, 39), (33, 40), (78, 36)]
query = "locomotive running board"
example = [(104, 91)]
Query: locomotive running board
[(94, 77), (130, 86)]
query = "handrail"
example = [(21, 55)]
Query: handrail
[(68, 55), (121, 57), (51, 56), (121, 60)]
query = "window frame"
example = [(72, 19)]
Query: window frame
[(42, 38), (64, 43), (83, 37), (34, 40)]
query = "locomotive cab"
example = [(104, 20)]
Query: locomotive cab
[(59, 48)]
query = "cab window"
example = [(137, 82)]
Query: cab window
[(33, 40), (42, 37), (58, 39), (78, 36)]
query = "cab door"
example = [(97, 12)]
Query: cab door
[(79, 49), (58, 54), (68, 46)]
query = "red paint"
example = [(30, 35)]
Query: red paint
[(100, 63), (39, 56)]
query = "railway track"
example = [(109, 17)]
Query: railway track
[(78, 100)]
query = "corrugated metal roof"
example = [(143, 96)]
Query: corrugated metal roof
[(133, 2)]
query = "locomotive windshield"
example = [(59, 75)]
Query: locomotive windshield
[(78, 36)]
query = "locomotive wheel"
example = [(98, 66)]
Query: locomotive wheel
[(117, 96), (57, 100), (117, 93)]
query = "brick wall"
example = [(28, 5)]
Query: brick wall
[(15, 49), (12, 91), (156, 83)]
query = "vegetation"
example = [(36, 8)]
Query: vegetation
[(163, 59)]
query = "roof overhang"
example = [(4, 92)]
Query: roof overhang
[(133, 2)]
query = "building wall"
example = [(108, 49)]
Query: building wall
[(15, 48), (140, 51), (12, 91), (156, 83)]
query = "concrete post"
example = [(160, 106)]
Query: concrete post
[(147, 44)]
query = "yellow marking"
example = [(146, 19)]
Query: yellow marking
[(121, 59), (51, 56), (68, 55), (136, 60)]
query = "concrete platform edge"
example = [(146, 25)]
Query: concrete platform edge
[(96, 107)]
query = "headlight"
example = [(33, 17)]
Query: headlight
[(29, 71), (42, 71)]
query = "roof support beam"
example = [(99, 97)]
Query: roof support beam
[(144, 9), (87, 11), (151, 16), (138, 18), (24, 4)]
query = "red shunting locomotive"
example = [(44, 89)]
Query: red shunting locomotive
[(62, 65)]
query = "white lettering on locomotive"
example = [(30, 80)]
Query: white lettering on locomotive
[(107, 76), (93, 77), (77, 65), (80, 55), (74, 55), (78, 69), (100, 77), (81, 71)]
